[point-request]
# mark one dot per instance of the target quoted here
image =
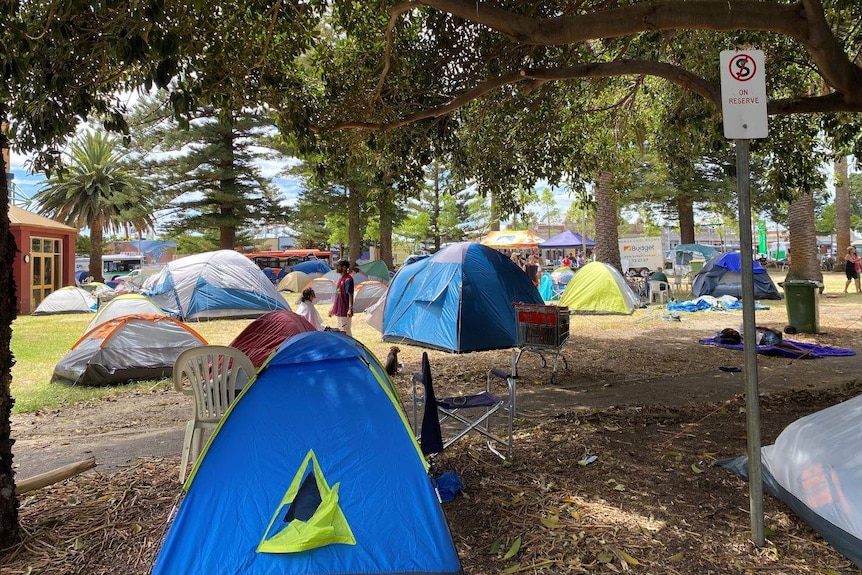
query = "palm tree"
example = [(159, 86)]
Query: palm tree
[(803, 239), (97, 189), (842, 208), (607, 214)]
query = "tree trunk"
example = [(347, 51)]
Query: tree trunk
[(386, 203), (8, 306), (354, 230), (494, 224), (685, 212), (804, 264), (96, 249), (227, 186), (227, 234), (842, 212), (607, 237), (435, 208)]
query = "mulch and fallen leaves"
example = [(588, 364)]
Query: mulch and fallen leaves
[(627, 489), (632, 489)]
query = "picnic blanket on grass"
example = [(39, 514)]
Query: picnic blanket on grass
[(787, 348)]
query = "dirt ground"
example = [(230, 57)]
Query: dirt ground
[(640, 393)]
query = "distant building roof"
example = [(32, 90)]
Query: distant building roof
[(20, 217)]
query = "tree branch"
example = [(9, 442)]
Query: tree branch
[(394, 13), (719, 15), (532, 77), (803, 21), (834, 102), (674, 74), (466, 97)]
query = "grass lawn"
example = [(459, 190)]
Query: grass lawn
[(39, 342)]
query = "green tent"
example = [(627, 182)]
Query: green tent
[(599, 288), (376, 270)]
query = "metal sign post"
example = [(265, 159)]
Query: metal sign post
[(743, 107)]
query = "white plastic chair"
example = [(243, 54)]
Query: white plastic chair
[(658, 290), (213, 374)]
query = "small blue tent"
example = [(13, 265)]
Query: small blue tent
[(722, 275), (311, 266), (459, 300), (313, 469)]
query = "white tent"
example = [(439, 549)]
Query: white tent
[(374, 314), (67, 300), (367, 293), (324, 289), (221, 284), (815, 466)]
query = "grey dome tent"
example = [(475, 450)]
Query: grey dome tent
[(69, 299), (722, 275), (815, 467), (127, 348)]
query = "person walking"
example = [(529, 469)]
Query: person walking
[(851, 268), (342, 307)]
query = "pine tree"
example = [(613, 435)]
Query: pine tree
[(208, 175)]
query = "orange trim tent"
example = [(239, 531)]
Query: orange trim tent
[(512, 239)]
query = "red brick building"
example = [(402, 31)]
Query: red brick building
[(46, 258)]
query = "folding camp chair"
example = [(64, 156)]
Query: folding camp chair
[(213, 374), (455, 417)]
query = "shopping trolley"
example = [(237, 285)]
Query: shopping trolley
[(542, 328)]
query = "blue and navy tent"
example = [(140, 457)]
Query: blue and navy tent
[(313, 469), (459, 300), (722, 275), (220, 284)]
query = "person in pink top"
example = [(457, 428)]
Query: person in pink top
[(342, 307)]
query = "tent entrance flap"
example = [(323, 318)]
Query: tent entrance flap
[(306, 502), (436, 283), (313, 518)]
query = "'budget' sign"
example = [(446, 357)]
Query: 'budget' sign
[(743, 94), (640, 253)]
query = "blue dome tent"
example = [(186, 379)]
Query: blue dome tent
[(722, 275), (314, 469), (459, 300), (311, 266)]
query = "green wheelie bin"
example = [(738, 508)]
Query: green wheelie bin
[(803, 311)]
